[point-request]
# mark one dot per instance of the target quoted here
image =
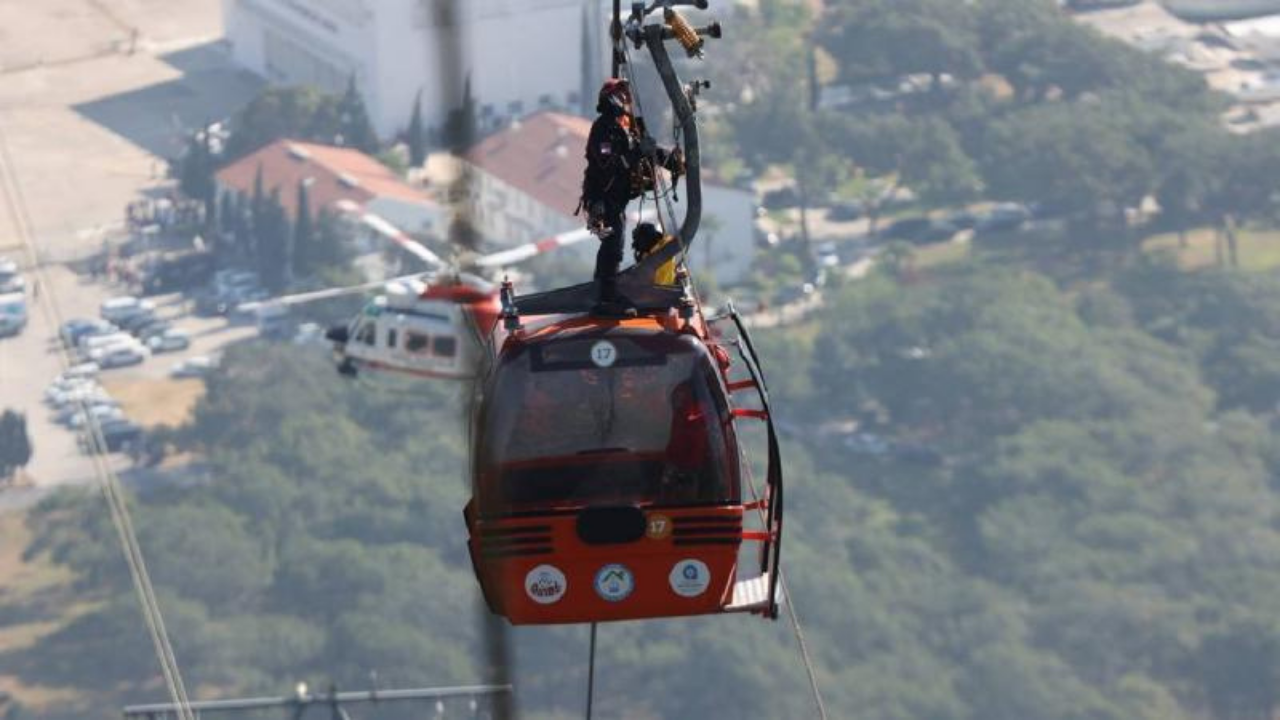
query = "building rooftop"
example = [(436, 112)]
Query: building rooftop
[(334, 174), (543, 156)]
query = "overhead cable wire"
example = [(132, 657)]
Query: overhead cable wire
[(117, 503), (789, 600)]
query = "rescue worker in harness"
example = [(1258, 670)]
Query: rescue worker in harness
[(646, 240), (619, 169)]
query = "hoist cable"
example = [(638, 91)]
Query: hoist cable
[(117, 503)]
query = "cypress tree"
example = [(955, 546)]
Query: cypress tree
[(417, 135), (304, 250), (357, 131)]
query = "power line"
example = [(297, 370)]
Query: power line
[(11, 188), (334, 700)]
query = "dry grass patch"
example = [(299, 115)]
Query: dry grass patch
[(151, 403), (1259, 249)]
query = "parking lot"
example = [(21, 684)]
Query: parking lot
[(94, 97), (31, 361)]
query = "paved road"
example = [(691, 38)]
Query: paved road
[(94, 95)]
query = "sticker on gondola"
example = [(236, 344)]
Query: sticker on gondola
[(614, 583), (658, 527), (545, 584), (604, 354), (690, 578)]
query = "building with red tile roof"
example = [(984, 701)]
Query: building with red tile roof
[(332, 175), (528, 178)]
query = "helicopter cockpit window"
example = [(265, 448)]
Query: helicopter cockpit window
[(417, 343), (445, 347), (652, 429), (391, 338), (368, 333)]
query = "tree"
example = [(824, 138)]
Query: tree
[(242, 226), (196, 174), (416, 135), (923, 154), (15, 444), (271, 240), (1194, 169), (356, 130), (875, 39), (1079, 158), (293, 112), (1248, 190), (331, 250), (1241, 670), (226, 215), (304, 240), (459, 132), (1055, 55)]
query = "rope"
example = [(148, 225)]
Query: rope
[(591, 672), (796, 627), (11, 188), (660, 191)]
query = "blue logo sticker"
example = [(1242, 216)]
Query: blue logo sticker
[(614, 582)]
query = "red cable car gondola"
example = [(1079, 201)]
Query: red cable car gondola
[(607, 478)]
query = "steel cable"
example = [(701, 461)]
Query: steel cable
[(121, 519)]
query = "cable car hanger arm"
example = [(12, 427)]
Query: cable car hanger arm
[(654, 37)]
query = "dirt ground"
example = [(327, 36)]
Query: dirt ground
[(153, 402)]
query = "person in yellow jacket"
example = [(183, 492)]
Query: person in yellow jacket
[(647, 240)]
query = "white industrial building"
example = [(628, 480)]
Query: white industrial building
[(519, 56)]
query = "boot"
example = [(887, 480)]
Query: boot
[(609, 302)]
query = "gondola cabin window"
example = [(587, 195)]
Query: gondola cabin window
[(646, 425)]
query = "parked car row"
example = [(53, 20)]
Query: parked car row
[(230, 289), (127, 334), (1003, 217), (13, 299), (80, 403), (11, 280)]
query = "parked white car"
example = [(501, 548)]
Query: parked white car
[(63, 385), (64, 414), (119, 309), (83, 371), (122, 355), (98, 413), (11, 281), (169, 341), (89, 344), (79, 395), (13, 313), (195, 367)]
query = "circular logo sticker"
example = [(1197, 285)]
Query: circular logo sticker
[(658, 527), (614, 583), (545, 584), (604, 354), (690, 578)]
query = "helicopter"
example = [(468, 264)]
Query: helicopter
[(609, 477), (429, 324)]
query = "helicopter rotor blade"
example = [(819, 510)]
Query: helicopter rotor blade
[(392, 233), (326, 294), (523, 252)]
